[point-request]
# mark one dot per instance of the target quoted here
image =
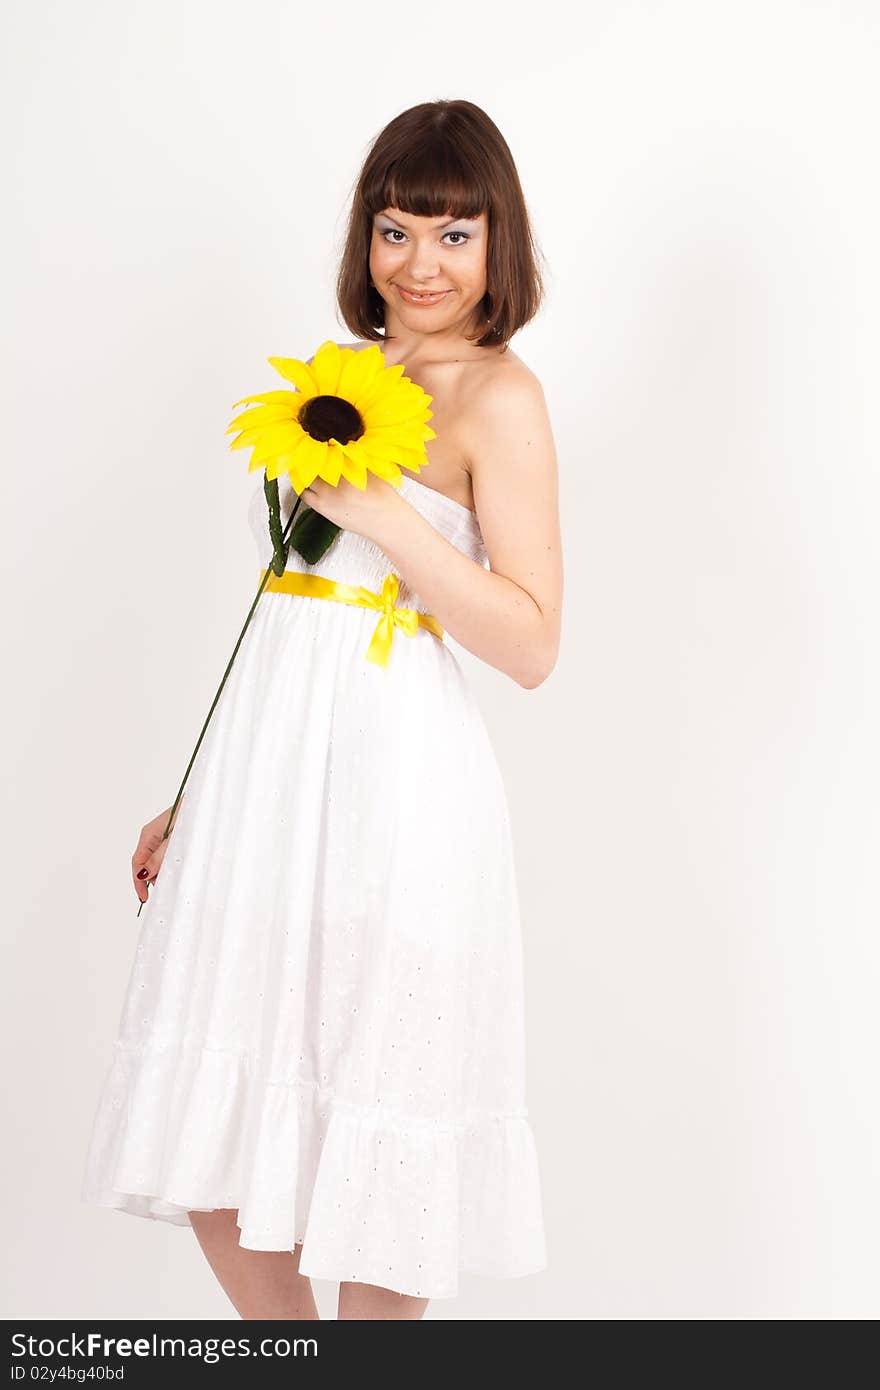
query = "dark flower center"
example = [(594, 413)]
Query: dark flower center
[(331, 417)]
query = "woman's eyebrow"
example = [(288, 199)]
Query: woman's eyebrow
[(439, 224)]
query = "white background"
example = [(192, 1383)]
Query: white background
[(693, 791)]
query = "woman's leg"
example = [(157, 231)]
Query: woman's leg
[(369, 1301), (259, 1283)]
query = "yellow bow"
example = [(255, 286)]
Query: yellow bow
[(405, 618), (409, 620)]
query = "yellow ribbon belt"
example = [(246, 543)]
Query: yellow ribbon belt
[(317, 586)]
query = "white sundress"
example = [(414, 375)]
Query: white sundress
[(324, 1023)]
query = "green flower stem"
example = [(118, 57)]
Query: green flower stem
[(265, 580)]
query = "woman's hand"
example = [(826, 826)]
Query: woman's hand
[(147, 858), (367, 511)]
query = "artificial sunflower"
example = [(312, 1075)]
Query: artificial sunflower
[(348, 416)]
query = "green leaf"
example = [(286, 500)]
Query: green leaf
[(312, 535)]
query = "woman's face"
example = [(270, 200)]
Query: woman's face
[(429, 254)]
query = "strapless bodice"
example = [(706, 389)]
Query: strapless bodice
[(352, 558)]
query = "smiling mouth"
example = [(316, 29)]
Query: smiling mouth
[(422, 296)]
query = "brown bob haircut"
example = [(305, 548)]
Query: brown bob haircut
[(444, 158)]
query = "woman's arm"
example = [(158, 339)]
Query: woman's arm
[(509, 616)]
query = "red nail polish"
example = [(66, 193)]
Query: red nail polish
[(142, 873)]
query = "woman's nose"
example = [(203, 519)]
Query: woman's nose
[(423, 265)]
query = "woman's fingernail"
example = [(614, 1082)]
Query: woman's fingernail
[(142, 873)]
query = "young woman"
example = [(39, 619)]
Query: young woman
[(320, 1064)]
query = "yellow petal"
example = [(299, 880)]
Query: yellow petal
[(300, 476), (280, 463), (384, 388), (410, 433), (395, 453), (388, 472), (266, 448), (300, 373), (268, 397), (410, 400), (326, 366), (396, 371), (392, 415), (311, 456), (261, 415), (359, 371), (333, 463), (353, 467)]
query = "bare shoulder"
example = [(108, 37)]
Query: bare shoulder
[(504, 397), (505, 382)]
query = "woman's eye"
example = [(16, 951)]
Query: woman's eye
[(395, 231)]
